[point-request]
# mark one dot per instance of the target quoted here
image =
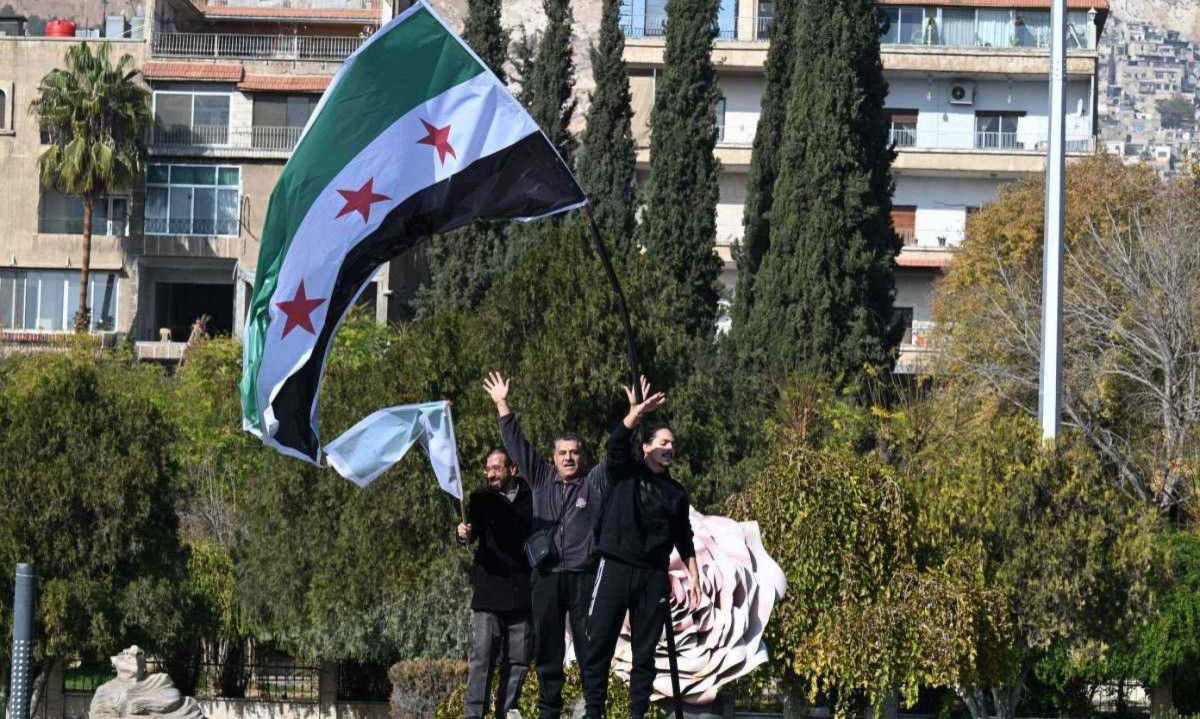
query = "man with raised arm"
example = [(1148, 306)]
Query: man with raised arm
[(645, 516), (566, 505)]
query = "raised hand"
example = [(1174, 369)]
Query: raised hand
[(649, 403), (497, 388)]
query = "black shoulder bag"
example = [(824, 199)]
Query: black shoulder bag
[(540, 548)]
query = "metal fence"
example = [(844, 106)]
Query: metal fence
[(274, 678)]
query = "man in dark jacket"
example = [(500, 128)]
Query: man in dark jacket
[(498, 519), (566, 503), (645, 515)]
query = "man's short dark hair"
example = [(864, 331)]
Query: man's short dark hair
[(569, 437), (654, 429), (500, 451)]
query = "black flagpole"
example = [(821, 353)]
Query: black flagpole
[(635, 382)]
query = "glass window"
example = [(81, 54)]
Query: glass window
[(958, 27), (3, 109), (47, 300), (994, 28), (720, 112), (1078, 37), (198, 200), (996, 130), (891, 15), (61, 214), (766, 12), (912, 25), (12, 299), (727, 20), (188, 118), (1032, 28)]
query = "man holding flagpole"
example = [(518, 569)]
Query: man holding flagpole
[(498, 519)]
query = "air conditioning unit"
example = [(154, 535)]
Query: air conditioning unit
[(962, 93)]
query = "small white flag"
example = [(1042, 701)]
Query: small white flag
[(371, 447)]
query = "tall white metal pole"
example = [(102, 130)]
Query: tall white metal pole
[(1050, 393)]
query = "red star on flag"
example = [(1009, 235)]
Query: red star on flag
[(360, 200), (439, 138), (299, 311)]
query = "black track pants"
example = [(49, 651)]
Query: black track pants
[(622, 588), (557, 597)]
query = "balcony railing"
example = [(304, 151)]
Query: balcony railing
[(298, 4), (986, 140), (934, 138), (902, 136), (258, 137), (728, 28), (908, 236), (255, 47), (763, 31)]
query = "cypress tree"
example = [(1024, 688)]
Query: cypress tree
[(764, 160), (681, 199), (607, 156), (823, 292), (464, 262), (546, 88), (484, 34)]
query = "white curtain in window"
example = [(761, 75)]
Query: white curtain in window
[(958, 27), (994, 27)]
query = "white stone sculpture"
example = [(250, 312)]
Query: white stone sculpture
[(135, 694)]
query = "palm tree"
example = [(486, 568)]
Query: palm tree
[(97, 118)]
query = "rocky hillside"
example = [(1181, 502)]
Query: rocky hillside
[(1181, 15)]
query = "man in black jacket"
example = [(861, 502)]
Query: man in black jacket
[(645, 515), (566, 502), (498, 519)]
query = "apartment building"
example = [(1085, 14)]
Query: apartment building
[(969, 107), (232, 84)]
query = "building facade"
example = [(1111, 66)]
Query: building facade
[(969, 107), (232, 83)]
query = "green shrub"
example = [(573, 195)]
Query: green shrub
[(421, 686)]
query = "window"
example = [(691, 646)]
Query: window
[(720, 111), (60, 214), (996, 130), (1032, 28), (3, 109), (958, 27), (191, 118), (906, 25), (904, 316), (902, 131), (280, 119), (904, 220), (193, 200), (1078, 36), (994, 28), (47, 300), (766, 13), (727, 20)]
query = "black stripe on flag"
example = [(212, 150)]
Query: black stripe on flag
[(525, 179)]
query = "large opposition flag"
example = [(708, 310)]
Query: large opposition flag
[(414, 136)]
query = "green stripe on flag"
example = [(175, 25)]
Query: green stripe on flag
[(410, 63)]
